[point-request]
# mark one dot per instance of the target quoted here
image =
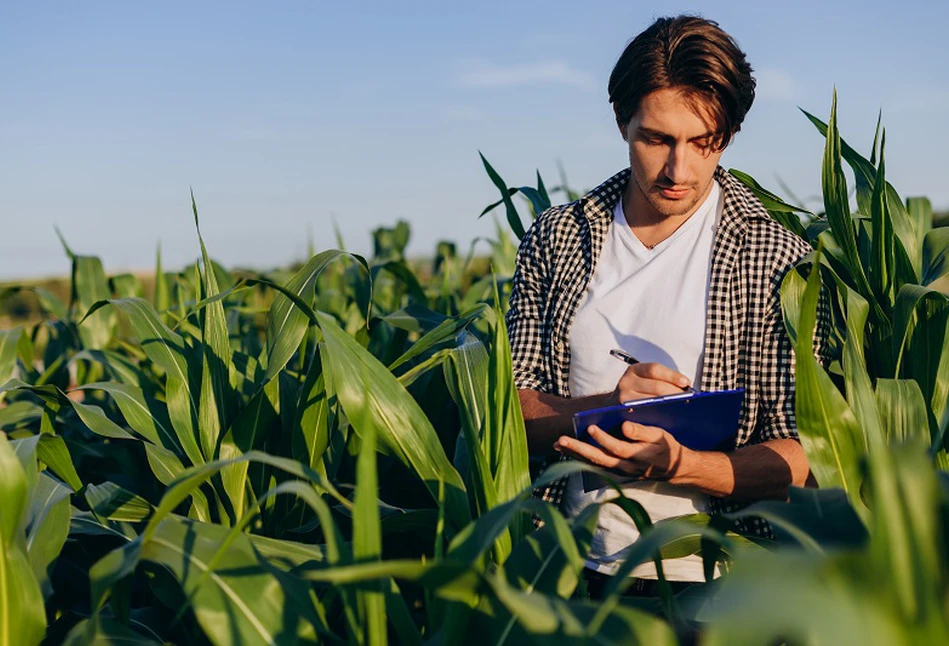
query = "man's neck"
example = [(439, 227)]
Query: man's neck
[(648, 224)]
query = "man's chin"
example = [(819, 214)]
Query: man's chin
[(673, 208)]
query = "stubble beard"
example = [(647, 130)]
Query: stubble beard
[(663, 207)]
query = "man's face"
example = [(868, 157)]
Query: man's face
[(671, 154)]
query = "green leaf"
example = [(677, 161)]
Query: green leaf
[(167, 350), (22, 616), (513, 219), (444, 332), (367, 537), (837, 205), (784, 213), (252, 426), (104, 631), (365, 388), (920, 211), (817, 519), (903, 411), (907, 248), (794, 597), (466, 375), (286, 324), (935, 255), (505, 438), (882, 265), (51, 450), (860, 394), (9, 340), (239, 602), (147, 417), (166, 467), (217, 398), (829, 432), (315, 419), (109, 501), (551, 620), (539, 202), (921, 334), (48, 527), (91, 286)]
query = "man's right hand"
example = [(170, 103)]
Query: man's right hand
[(644, 380)]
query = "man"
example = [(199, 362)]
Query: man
[(676, 263)]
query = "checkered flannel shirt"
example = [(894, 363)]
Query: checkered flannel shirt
[(746, 345)]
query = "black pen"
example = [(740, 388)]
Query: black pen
[(627, 358)]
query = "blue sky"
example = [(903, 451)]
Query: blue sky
[(285, 115)]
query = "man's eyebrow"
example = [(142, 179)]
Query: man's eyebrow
[(658, 133)]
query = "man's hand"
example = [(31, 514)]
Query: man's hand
[(645, 452), (649, 380)]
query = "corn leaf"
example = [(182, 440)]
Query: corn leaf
[(109, 501), (364, 387), (9, 340), (286, 324), (51, 450), (240, 602), (513, 219), (22, 618), (860, 394), (828, 428), (48, 527), (167, 350), (903, 411), (907, 246), (367, 537), (146, 416), (935, 255), (89, 287)]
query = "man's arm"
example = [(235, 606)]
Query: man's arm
[(754, 472), (547, 417)]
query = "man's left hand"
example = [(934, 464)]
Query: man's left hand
[(645, 452)]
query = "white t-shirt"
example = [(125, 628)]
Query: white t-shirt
[(650, 303)]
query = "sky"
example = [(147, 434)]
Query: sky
[(286, 116)]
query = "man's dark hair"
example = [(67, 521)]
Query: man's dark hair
[(694, 55)]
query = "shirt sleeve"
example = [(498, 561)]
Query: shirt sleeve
[(526, 326), (778, 420)]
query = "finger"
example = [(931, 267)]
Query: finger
[(611, 445), (641, 433), (659, 372), (588, 453)]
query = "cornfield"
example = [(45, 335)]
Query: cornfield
[(336, 454)]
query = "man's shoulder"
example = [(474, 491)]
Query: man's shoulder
[(594, 206), (763, 234)]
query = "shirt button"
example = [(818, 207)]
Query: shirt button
[(559, 346)]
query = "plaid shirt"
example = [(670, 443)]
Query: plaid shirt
[(746, 345)]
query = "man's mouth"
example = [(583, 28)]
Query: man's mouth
[(674, 192)]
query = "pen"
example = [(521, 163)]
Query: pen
[(627, 358)]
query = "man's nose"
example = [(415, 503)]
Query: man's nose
[(676, 170)]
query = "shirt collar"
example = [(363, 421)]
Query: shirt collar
[(740, 204)]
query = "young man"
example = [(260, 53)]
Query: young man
[(676, 263)]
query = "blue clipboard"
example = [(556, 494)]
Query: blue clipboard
[(702, 421)]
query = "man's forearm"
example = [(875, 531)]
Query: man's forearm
[(547, 417), (756, 472)]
